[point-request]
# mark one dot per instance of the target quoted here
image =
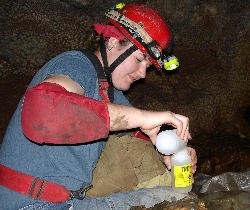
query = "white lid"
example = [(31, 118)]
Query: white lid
[(167, 142), (181, 157)]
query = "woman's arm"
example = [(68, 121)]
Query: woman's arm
[(86, 118)]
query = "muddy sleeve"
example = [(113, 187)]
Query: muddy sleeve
[(51, 114)]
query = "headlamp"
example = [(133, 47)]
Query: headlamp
[(170, 62), (119, 6)]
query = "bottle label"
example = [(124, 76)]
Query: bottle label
[(183, 176)]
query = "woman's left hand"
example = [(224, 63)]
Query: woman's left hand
[(166, 159)]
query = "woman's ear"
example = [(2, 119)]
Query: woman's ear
[(112, 43)]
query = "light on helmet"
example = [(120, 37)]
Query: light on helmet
[(119, 6), (170, 63)]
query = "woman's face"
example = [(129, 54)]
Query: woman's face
[(131, 69)]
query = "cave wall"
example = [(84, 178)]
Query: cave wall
[(211, 42)]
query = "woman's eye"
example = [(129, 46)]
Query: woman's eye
[(138, 60)]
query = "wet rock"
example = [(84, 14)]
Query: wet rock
[(226, 191), (234, 200), (184, 204)]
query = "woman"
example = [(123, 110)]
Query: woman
[(71, 106)]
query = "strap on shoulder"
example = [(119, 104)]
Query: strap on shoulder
[(101, 77)]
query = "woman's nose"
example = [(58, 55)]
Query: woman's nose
[(142, 71)]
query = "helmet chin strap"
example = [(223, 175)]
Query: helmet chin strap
[(105, 60), (122, 57), (107, 74), (109, 69)]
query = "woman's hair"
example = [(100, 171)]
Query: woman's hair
[(92, 43)]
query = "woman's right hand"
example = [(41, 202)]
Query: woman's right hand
[(154, 121)]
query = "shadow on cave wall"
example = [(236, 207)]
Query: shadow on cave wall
[(211, 86)]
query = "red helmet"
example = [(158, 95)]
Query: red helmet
[(144, 27)]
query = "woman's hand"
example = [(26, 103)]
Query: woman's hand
[(166, 159), (152, 126)]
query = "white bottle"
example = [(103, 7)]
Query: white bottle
[(167, 143), (181, 172)]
